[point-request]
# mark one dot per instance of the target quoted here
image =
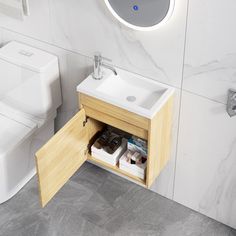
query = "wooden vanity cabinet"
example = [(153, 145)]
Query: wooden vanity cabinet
[(67, 150)]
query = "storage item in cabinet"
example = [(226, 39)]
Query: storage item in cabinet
[(137, 170), (111, 159), (136, 144)]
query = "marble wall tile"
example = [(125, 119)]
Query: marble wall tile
[(205, 176), (151, 54), (210, 62), (87, 26), (37, 25), (0, 36)]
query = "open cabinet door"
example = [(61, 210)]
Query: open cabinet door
[(63, 155)]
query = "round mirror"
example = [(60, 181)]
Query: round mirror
[(141, 14)]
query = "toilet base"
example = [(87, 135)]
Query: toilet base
[(9, 194), (17, 167)]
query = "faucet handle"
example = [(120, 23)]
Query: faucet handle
[(98, 57)]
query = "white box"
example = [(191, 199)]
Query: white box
[(137, 170), (111, 159)]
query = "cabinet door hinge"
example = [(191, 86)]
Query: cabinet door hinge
[(85, 121), (86, 152)]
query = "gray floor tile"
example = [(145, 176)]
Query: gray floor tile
[(95, 202), (90, 176)]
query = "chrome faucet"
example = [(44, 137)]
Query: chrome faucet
[(97, 73)]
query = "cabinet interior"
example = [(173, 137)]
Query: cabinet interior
[(106, 165)]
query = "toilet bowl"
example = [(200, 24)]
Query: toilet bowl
[(29, 97)]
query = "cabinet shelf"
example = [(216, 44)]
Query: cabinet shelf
[(116, 169)]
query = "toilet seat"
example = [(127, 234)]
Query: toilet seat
[(16, 115), (13, 132)]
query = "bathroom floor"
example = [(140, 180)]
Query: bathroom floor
[(95, 202)]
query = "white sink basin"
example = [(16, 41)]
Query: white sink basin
[(134, 93)]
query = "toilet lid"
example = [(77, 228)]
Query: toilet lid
[(12, 133)]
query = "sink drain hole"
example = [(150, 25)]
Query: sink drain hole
[(131, 98)]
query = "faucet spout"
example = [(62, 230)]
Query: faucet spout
[(110, 68)]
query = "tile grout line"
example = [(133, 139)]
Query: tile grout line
[(180, 106), (202, 96)]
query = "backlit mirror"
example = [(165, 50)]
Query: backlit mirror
[(141, 14)]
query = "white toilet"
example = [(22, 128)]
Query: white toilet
[(30, 94)]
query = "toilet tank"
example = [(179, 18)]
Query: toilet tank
[(29, 80)]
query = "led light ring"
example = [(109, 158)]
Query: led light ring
[(140, 28)]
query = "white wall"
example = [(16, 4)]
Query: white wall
[(205, 177), (202, 175)]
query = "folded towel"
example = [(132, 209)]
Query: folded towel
[(14, 8)]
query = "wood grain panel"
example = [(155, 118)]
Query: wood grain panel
[(61, 157), (110, 120), (159, 141), (114, 111)]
